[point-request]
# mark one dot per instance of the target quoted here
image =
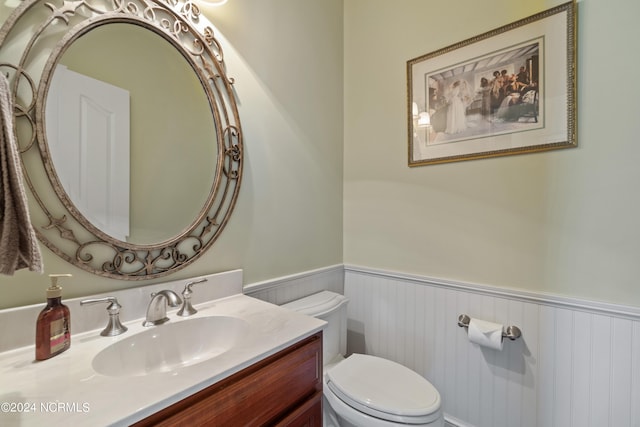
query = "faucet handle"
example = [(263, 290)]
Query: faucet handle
[(114, 327), (187, 309)]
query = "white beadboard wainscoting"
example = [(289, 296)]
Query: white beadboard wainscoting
[(577, 363), (285, 289)]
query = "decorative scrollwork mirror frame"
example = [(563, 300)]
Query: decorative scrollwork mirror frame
[(29, 50)]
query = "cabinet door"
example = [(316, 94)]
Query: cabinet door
[(266, 393), (309, 414)]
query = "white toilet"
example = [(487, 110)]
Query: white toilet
[(363, 390)]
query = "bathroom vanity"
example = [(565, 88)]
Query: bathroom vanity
[(282, 390), (237, 361)]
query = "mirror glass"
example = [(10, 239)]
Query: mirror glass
[(130, 133)]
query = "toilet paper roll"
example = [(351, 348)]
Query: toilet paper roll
[(486, 334)]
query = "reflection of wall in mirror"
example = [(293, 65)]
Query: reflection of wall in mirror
[(88, 132)]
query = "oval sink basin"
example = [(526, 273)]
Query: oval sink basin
[(171, 346)]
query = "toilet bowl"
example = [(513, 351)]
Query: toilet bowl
[(363, 390)]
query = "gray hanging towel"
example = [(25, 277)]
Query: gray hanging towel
[(18, 243)]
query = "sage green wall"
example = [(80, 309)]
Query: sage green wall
[(286, 58), (563, 222)]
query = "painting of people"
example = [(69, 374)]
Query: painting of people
[(496, 94), (508, 91)]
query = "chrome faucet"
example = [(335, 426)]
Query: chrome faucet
[(157, 310), (187, 309)]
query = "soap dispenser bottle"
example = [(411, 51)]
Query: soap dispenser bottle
[(53, 334)]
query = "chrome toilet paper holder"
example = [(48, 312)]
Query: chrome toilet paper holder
[(511, 332)]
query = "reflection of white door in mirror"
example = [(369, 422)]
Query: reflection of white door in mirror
[(88, 127)]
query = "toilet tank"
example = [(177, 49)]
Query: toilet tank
[(332, 308)]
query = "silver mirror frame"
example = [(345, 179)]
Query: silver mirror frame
[(32, 40)]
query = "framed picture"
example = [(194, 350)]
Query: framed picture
[(508, 91)]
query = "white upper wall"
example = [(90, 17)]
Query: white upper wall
[(563, 222)]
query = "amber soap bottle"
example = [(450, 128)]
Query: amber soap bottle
[(53, 335)]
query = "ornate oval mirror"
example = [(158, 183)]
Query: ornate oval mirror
[(128, 130)]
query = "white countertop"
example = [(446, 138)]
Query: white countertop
[(65, 390)]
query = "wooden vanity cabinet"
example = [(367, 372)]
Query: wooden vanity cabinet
[(282, 390)]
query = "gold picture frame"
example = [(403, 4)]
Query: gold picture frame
[(509, 91)]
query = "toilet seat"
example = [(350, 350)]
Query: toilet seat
[(384, 389)]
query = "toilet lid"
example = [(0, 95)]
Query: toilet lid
[(317, 305), (384, 389)]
